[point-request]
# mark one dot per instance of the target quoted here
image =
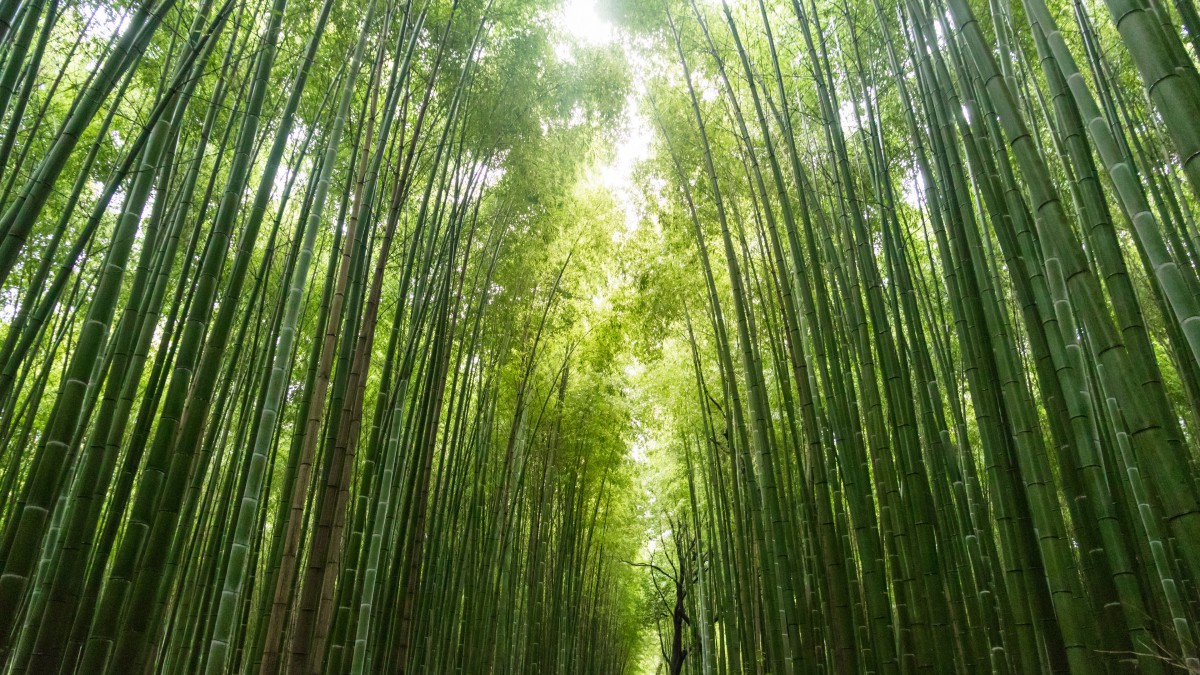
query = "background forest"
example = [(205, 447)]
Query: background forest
[(634, 336)]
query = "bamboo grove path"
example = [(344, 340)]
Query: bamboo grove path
[(599, 337)]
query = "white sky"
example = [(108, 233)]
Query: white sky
[(580, 20)]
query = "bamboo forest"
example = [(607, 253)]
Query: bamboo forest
[(599, 337)]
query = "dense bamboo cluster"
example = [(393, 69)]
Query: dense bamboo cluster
[(944, 334), (287, 381)]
